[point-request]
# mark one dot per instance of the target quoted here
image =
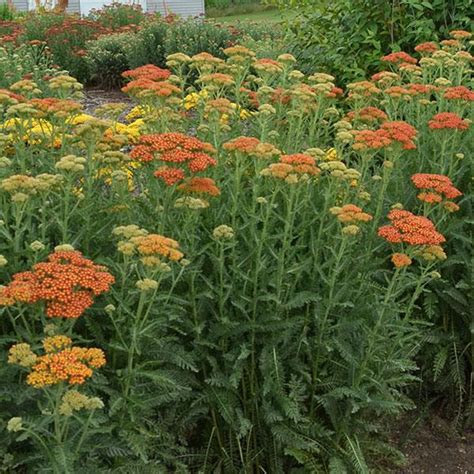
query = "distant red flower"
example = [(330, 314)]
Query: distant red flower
[(428, 47), (399, 57)]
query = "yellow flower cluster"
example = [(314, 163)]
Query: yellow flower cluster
[(73, 401)]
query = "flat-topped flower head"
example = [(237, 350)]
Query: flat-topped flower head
[(460, 34), (401, 132), (253, 147), (198, 185), (401, 260), (367, 114), (148, 71), (410, 229), (350, 214), (72, 365), (187, 154), (461, 93), (427, 47), (436, 187), (399, 58), (448, 121), (67, 284), (295, 168)]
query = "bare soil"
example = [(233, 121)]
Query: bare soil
[(435, 449)]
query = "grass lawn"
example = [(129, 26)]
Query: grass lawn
[(265, 15)]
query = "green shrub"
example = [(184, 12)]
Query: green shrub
[(348, 37), (192, 37), (148, 45), (107, 58)]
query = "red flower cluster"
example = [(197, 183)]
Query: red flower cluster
[(66, 283), (367, 114), (51, 105), (410, 229), (459, 93), (174, 148), (400, 132), (370, 139), (399, 58), (448, 120), (198, 185), (388, 133), (428, 47), (437, 187), (149, 71)]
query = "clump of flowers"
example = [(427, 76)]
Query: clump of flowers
[(398, 58), (252, 146), (148, 71), (223, 232), (73, 401), (401, 260), (435, 188), (293, 168), (67, 284), (410, 229), (177, 149), (197, 185), (449, 121), (389, 132), (150, 247)]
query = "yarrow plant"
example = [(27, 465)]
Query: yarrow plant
[(250, 268)]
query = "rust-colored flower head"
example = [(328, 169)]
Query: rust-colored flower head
[(148, 71), (67, 284), (186, 153), (199, 185), (427, 47), (459, 93), (448, 120), (435, 188), (399, 58), (410, 229)]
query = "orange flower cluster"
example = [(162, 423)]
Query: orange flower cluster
[(200, 186), (292, 167), (72, 365), (459, 93), (399, 58), (401, 260), (448, 120), (148, 71), (350, 214), (252, 146), (144, 86), (156, 244), (51, 105), (437, 186), (367, 114), (370, 140), (410, 229), (174, 148), (400, 132), (427, 47), (460, 34), (66, 283)]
